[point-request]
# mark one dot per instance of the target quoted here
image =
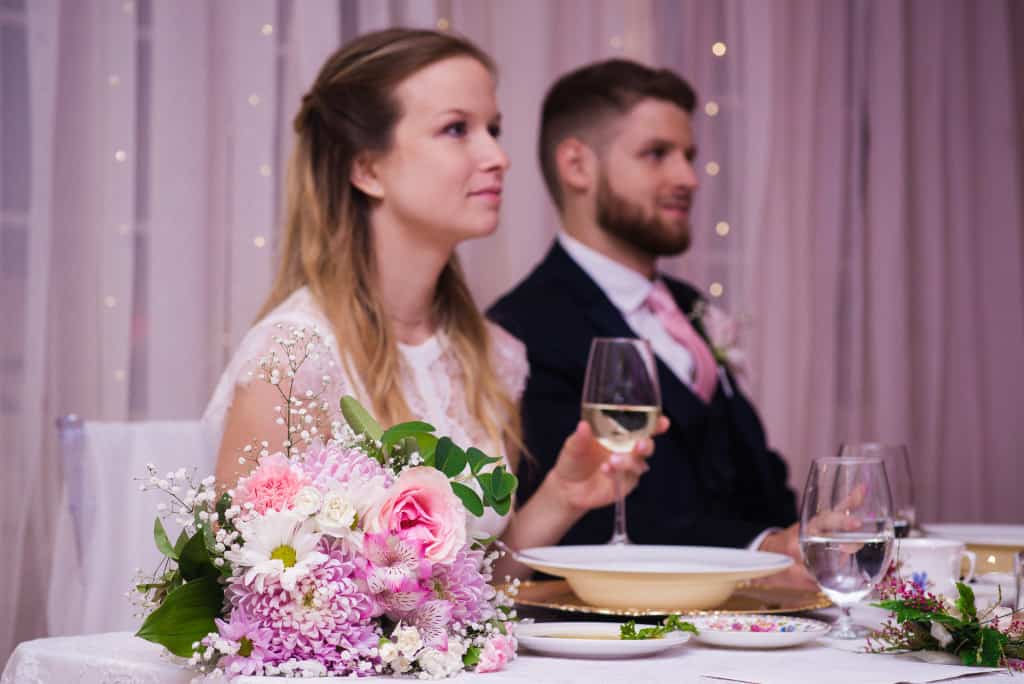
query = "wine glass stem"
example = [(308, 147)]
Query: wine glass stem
[(844, 626), (619, 535)]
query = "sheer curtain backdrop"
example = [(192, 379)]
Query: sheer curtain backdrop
[(860, 210)]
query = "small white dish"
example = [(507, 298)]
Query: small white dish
[(757, 631), (591, 640), (674, 578)]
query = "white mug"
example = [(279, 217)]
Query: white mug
[(934, 564)]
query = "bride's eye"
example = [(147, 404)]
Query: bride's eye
[(455, 129)]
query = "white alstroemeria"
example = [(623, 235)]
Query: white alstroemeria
[(277, 544), (941, 634), (307, 501), (400, 665), (338, 515), (388, 651), (408, 640), (433, 662)]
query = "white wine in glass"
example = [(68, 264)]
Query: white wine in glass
[(619, 428), (622, 403)]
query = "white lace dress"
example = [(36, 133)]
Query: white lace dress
[(432, 381)]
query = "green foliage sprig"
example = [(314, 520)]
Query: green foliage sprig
[(673, 623)]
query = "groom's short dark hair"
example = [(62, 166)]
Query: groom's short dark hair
[(584, 100)]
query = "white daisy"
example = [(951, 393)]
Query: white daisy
[(278, 544)]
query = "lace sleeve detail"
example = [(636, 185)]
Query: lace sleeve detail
[(509, 359), (268, 353)]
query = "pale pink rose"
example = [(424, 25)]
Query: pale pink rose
[(496, 653), (272, 486), (421, 506), (721, 328)]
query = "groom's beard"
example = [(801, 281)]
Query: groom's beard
[(631, 224)]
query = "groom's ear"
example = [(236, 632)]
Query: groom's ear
[(366, 177), (577, 165)]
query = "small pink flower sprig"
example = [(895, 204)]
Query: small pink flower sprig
[(721, 332), (922, 621)]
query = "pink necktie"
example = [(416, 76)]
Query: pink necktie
[(661, 302)]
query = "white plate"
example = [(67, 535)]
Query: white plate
[(570, 640), (758, 631), (981, 535), (663, 577)]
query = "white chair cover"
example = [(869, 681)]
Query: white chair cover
[(105, 524)]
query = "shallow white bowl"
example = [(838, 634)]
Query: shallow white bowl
[(548, 638), (655, 577)]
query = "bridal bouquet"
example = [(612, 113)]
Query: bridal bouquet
[(955, 630), (347, 557)]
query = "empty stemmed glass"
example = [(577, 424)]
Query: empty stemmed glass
[(846, 531), (896, 458), (622, 403)]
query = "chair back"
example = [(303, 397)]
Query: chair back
[(105, 528)]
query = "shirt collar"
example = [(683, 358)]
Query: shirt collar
[(626, 288)]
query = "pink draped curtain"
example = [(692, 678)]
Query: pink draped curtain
[(868, 165)]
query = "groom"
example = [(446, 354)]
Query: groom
[(616, 150)]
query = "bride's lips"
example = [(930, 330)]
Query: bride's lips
[(491, 192)]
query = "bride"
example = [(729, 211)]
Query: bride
[(396, 162)]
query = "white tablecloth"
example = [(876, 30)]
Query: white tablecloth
[(120, 658)]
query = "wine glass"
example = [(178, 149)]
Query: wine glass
[(622, 403), (897, 467), (846, 531)]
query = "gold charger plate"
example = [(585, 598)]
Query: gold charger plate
[(556, 594)]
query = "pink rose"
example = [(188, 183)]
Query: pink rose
[(272, 486), (496, 653), (421, 506)]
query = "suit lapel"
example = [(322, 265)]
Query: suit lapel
[(678, 401)]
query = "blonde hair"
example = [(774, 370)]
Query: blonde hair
[(328, 244)]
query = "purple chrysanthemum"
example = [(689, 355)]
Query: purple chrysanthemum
[(332, 463), (462, 584), (328, 617), (252, 640)]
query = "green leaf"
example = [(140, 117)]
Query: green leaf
[(180, 544), (469, 498), (503, 483), (478, 459), (393, 435), (162, 542), (905, 613), (471, 657), (965, 604), (195, 559), (502, 507), (185, 617), (449, 458), (992, 642), (672, 623), (359, 419), (427, 443), (223, 504)]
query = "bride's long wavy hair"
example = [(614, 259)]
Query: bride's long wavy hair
[(328, 245)]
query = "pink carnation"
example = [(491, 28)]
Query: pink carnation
[(422, 507), (496, 653), (272, 486)]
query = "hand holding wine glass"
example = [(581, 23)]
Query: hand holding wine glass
[(622, 405), (846, 531)]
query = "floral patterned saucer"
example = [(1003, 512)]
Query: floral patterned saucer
[(757, 631)]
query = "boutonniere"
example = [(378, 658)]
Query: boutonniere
[(721, 332)]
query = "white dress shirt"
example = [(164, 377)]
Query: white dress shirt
[(628, 291)]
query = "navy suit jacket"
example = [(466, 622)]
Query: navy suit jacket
[(713, 480)]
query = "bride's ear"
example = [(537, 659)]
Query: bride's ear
[(365, 176)]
